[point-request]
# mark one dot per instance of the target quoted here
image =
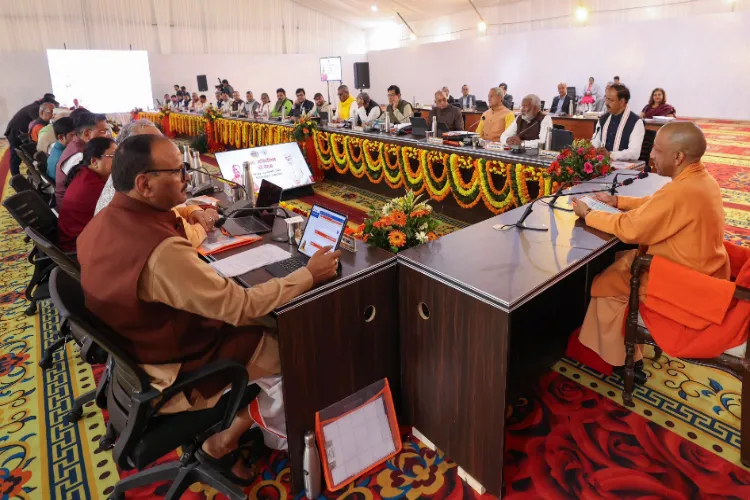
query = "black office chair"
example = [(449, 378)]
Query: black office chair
[(646, 147), (143, 435), (44, 187), (481, 106), (542, 106), (558, 127), (19, 183), (28, 208), (560, 139)]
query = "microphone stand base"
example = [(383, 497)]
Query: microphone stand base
[(541, 228), (280, 239)]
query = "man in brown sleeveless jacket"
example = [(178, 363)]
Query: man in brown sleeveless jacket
[(531, 127), (174, 313)]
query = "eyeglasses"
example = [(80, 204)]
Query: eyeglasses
[(108, 156), (182, 170)]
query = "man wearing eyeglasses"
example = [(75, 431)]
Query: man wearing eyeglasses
[(174, 312), (196, 221)]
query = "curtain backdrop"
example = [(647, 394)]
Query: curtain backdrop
[(174, 26)]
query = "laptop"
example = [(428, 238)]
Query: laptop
[(324, 228), (418, 126), (261, 221)]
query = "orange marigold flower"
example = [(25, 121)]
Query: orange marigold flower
[(419, 213), (397, 239), (348, 231), (365, 237), (431, 236), (360, 228)]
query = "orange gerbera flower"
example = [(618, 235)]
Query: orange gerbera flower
[(419, 213), (431, 236), (383, 222), (399, 218), (397, 239)]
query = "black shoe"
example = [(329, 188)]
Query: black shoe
[(640, 375)]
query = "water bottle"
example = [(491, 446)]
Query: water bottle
[(570, 108), (247, 181), (387, 122), (283, 112), (434, 126), (311, 467), (186, 154)]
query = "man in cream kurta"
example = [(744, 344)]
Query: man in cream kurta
[(682, 222)]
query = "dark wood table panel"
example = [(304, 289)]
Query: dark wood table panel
[(453, 369), (328, 349)]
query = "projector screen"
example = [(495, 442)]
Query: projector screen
[(330, 69), (103, 81)]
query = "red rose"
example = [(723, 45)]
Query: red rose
[(554, 165), (565, 397), (604, 169), (711, 474)]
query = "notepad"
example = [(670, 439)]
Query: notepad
[(595, 204), (249, 260), (358, 440)]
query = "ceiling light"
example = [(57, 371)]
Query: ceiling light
[(482, 26), (374, 8), (582, 13)]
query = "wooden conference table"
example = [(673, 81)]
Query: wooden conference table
[(582, 127), (484, 313), (335, 339)]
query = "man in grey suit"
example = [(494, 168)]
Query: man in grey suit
[(467, 100), (561, 102)]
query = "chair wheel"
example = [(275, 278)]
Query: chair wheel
[(31, 310), (106, 443), (45, 363), (72, 416)]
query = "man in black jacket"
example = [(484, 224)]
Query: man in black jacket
[(561, 102), (19, 125)]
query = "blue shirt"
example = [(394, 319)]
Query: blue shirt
[(54, 156)]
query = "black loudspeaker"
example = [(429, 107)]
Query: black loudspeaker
[(362, 75), (202, 83)]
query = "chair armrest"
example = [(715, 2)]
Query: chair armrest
[(43, 259), (742, 293), (234, 371)]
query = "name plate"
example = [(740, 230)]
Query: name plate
[(497, 146), (435, 140), (349, 243)]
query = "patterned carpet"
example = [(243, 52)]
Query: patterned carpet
[(568, 439)]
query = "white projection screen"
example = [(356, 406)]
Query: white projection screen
[(103, 81)]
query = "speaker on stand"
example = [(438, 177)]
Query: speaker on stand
[(361, 75), (202, 83)]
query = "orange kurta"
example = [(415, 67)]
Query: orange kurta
[(682, 222)]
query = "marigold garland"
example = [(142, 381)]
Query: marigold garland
[(498, 186)]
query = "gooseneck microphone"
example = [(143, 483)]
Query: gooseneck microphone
[(530, 207)]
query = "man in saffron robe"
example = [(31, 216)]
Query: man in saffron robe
[(682, 222)]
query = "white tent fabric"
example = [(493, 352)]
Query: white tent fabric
[(174, 26)]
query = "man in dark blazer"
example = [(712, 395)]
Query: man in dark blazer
[(561, 102), (466, 100), (19, 125)]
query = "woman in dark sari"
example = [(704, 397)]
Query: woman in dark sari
[(657, 105)]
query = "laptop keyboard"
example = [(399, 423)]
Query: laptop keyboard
[(291, 265), (251, 224)]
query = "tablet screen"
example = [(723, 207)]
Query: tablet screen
[(324, 228)]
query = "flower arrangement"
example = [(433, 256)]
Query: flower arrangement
[(402, 223), (135, 113), (211, 113), (164, 111), (580, 162), (304, 128)]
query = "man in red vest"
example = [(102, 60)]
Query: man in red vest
[(174, 312)]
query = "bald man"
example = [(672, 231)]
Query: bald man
[(682, 222)]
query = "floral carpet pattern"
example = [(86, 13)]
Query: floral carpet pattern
[(568, 439)]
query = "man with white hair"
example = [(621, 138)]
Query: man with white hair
[(531, 127), (445, 113), (495, 120), (45, 115)]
